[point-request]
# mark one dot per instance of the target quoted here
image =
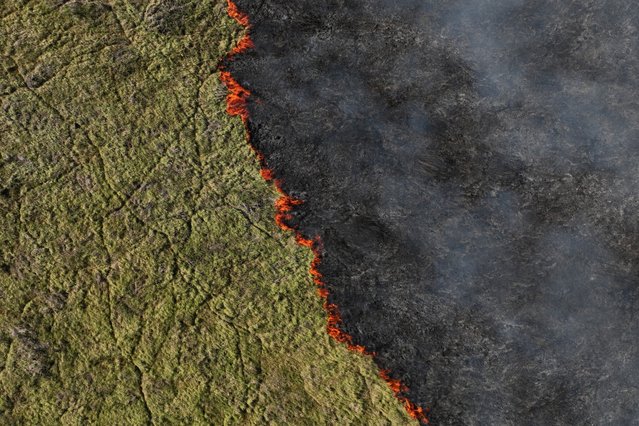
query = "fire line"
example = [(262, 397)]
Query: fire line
[(237, 105)]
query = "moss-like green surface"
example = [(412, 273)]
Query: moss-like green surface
[(142, 279)]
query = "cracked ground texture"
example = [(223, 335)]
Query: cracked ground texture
[(142, 279)]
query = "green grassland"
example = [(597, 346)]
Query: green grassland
[(142, 279)]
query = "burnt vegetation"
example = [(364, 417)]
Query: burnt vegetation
[(469, 167)]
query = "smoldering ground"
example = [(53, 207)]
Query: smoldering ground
[(471, 167)]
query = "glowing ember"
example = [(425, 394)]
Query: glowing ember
[(236, 105)]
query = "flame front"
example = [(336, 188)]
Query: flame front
[(237, 105)]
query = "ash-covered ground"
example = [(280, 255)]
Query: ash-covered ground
[(472, 168)]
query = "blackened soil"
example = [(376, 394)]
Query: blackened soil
[(472, 168)]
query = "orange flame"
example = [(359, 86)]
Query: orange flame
[(244, 44), (236, 98), (235, 13), (237, 105), (414, 410)]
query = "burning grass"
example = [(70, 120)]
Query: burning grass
[(237, 105)]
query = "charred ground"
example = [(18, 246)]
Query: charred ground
[(470, 168)]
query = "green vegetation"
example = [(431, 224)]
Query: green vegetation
[(142, 279)]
